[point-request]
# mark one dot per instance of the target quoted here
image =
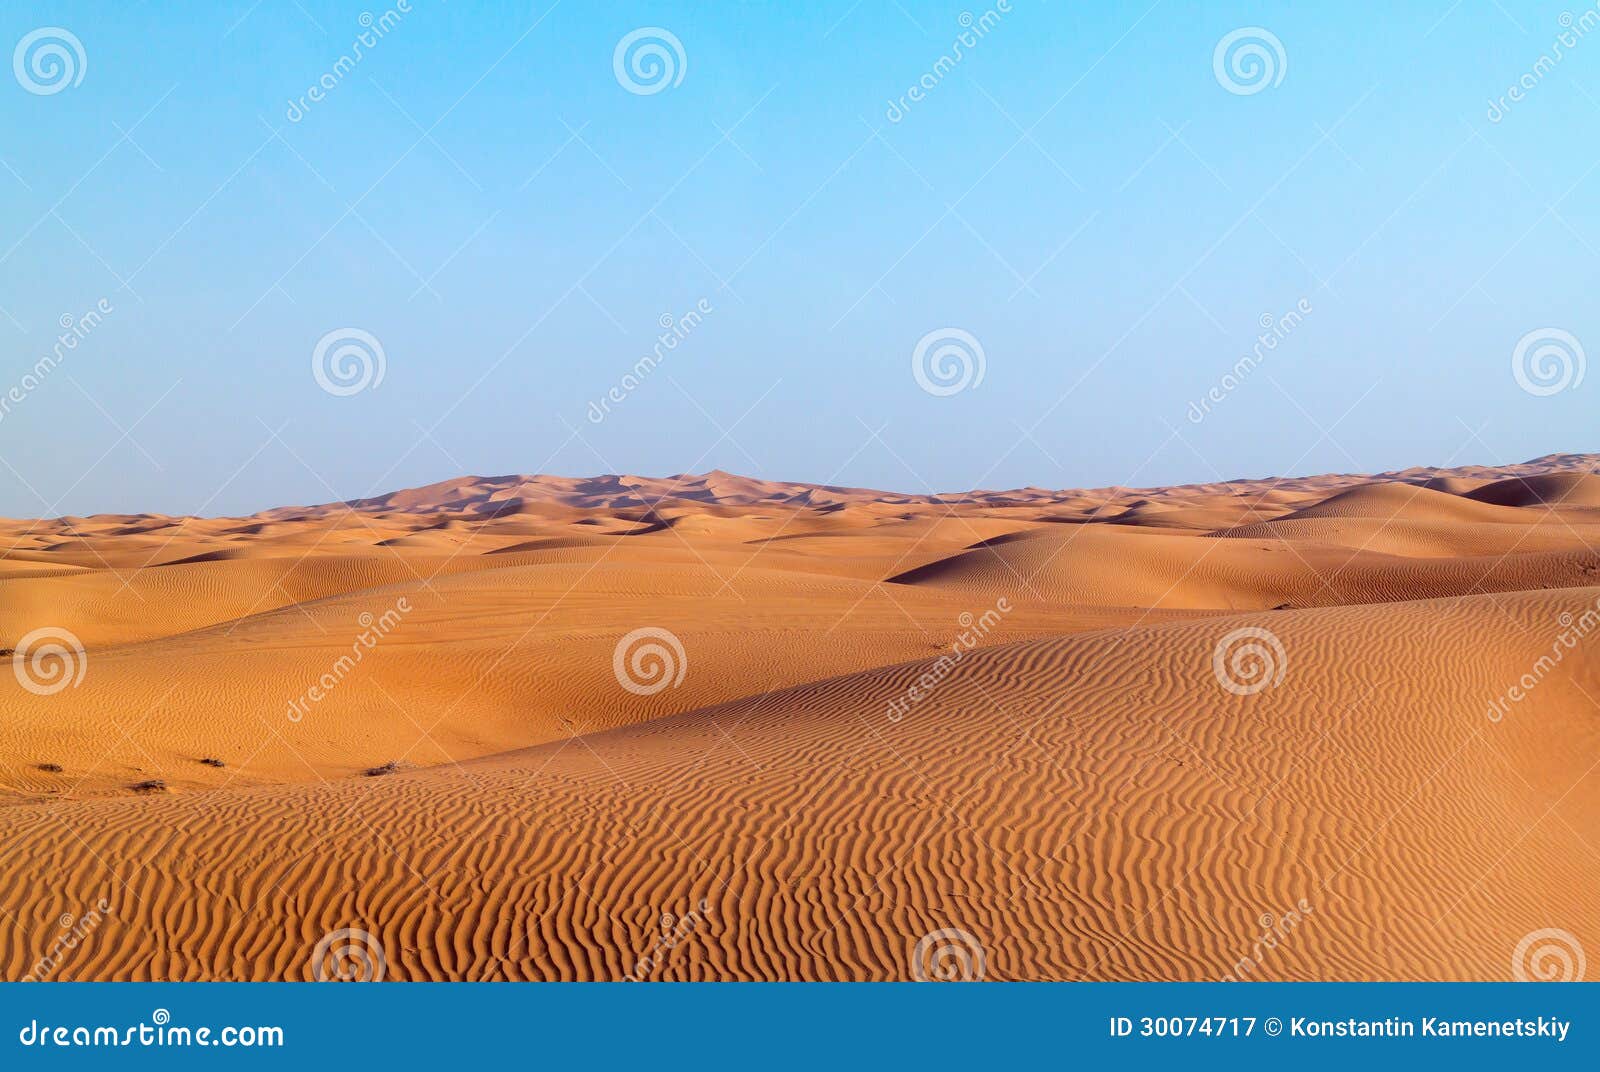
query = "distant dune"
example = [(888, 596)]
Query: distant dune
[(1543, 489), (714, 727)]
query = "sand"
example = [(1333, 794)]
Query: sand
[(1338, 727)]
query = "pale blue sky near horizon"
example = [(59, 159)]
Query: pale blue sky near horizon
[(1080, 192)]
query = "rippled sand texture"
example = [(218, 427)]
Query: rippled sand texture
[(1341, 727)]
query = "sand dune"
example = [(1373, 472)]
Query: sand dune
[(1545, 489), (1008, 720), (1108, 566), (1402, 502)]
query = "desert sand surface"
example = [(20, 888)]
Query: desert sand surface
[(707, 727)]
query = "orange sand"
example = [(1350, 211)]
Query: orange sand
[(1074, 786)]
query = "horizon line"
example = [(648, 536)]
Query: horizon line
[(365, 502)]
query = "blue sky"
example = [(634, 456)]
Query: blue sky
[(1079, 192)]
